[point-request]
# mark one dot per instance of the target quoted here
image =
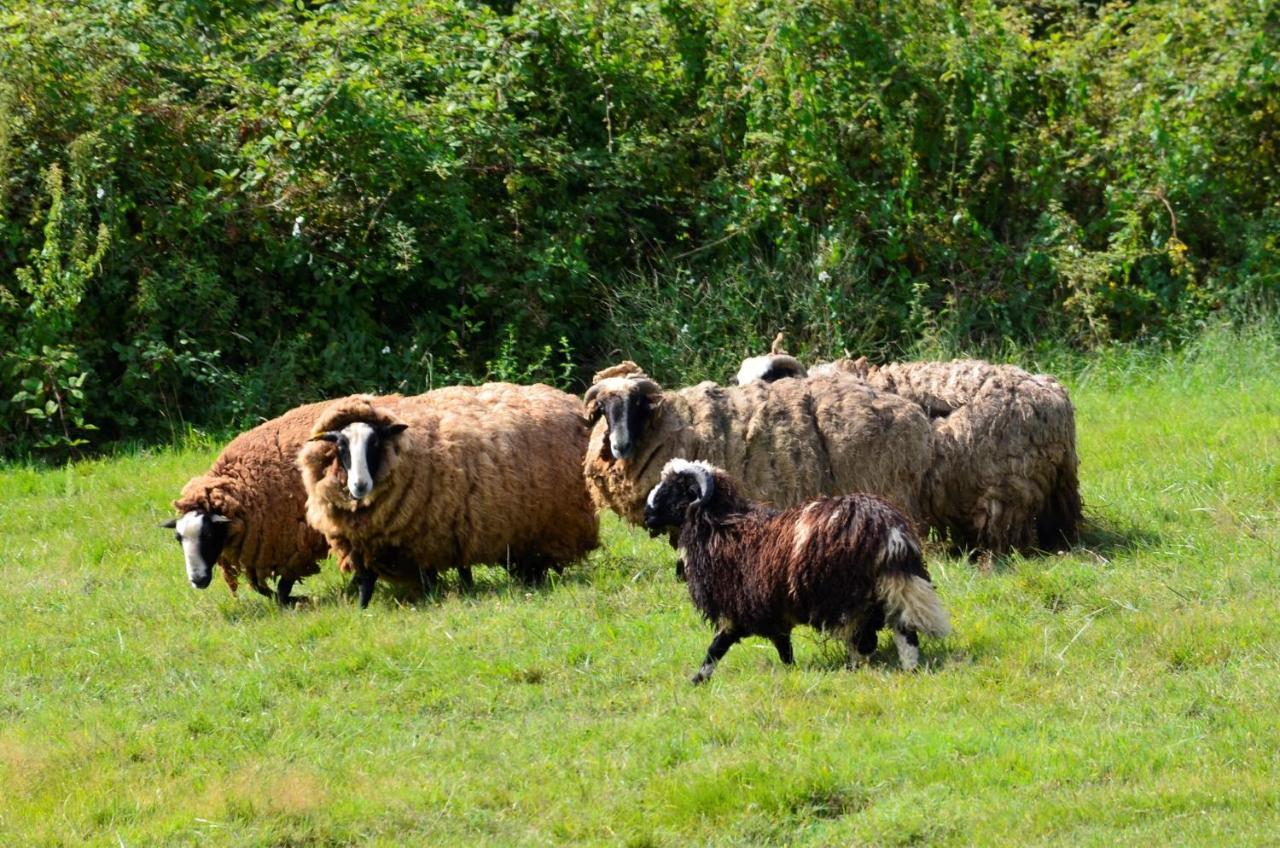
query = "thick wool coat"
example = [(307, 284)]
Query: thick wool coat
[(482, 475)]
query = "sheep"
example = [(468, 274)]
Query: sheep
[(777, 364), (845, 565), (1004, 470), (455, 477), (786, 441), (247, 513)]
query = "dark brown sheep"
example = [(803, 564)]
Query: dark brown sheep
[(845, 565)]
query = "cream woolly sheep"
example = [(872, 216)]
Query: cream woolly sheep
[(786, 441), (455, 477), (846, 565), (248, 512), (1004, 470)]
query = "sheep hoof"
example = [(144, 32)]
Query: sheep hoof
[(698, 678), (857, 661)]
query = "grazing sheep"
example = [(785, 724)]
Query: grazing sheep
[(777, 364), (846, 565), (451, 478), (248, 512), (786, 441), (1003, 474)]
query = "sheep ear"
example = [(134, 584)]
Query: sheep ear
[(170, 524), (218, 518), (393, 430), (326, 436)]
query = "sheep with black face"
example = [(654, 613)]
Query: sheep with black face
[(786, 441), (455, 477), (847, 565), (247, 514)]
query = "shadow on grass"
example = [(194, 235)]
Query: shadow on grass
[(935, 655), (489, 582), (1108, 539), (1100, 538)]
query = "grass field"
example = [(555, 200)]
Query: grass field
[(1125, 692)]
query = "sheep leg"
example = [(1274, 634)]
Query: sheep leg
[(363, 581), (284, 586), (720, 645), (465, 578), (908, 644), (782, 641), (862, 643), (263, 591)]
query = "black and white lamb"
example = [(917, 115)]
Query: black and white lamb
[(847, 565)]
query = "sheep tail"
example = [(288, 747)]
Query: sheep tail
[(910, 602)]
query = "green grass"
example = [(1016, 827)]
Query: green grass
[(1126, 692)]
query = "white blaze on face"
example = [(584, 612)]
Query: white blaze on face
[(188, 530), (359, 480), (616, 435)]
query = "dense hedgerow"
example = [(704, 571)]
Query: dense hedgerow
[(212, 210)]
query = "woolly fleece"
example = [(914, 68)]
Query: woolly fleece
[(482, 475), (785, 442), (255, 483)]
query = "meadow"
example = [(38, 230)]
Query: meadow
[(1124, 691)]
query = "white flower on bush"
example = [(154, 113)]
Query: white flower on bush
[(824, 277), (386, 350), (297, 226)]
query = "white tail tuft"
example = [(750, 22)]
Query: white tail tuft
[(911, 600)]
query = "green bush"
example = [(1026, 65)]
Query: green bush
[(210, 211)]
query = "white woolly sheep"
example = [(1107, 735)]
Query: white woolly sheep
[(455, 477), (846, 565), (248, 512)]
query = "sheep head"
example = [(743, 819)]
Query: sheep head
[(624, 396), (362, 448), (683, 486)]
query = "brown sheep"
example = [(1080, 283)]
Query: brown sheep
[(455, 477), (846, 565), (247, 513), (786, 442), (1004, 469)]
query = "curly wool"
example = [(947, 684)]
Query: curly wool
[(785, 442), (1004, 469), (482, 475), (828, 563), (255, 483)]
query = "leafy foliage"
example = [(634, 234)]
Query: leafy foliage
[(212, 210)]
